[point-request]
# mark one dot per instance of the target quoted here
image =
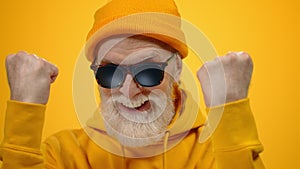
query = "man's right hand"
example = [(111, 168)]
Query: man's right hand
[(29, 77)]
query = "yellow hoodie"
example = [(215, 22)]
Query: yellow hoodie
[(234, 144)]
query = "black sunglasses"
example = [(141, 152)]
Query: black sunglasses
[(146, 74)]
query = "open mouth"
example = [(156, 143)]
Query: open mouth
[(135, 107)]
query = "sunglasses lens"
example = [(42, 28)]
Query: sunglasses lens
[(147, 75), (109, 76), (150, 77)]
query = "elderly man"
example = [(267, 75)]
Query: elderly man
[(145, 118)]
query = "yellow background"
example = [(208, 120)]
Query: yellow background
[(268, 30)]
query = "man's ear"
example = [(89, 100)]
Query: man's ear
[(178, 68)]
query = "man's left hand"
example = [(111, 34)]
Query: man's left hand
[(236, 68)]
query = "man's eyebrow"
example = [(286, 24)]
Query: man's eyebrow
[(150, 56), (104, 61), (147, 58)]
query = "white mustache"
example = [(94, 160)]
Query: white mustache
[(131, 103), (158, 102)]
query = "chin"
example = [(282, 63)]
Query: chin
[(138, 128)]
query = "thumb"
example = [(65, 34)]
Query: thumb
[(53, 73)]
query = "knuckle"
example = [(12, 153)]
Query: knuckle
[(228, 57), (238, 57), (21, 53), (55, 68), (230, 54), (42, 62), (243, 55), (234, 56), (9, 58), (246, 54)]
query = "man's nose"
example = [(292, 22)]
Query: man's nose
[(129, 88)]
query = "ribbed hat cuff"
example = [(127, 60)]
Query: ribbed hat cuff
[(160, 26)]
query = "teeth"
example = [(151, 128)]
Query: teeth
[(134, 103)]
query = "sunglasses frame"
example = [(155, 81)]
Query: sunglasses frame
[(133, 70)]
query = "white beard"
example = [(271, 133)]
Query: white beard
[(140, 128)]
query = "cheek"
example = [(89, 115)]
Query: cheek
[(167, 82), (105, 92)]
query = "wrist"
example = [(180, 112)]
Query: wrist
[(28, 99)]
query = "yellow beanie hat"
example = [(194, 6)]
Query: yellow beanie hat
[(158, 19)]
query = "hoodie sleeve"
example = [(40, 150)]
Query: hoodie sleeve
[(22, 136), (235, 141)]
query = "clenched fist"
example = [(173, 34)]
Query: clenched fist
[(29, 77), (226, 79)]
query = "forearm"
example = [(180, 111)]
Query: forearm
[(22, 136), (236, 143)]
